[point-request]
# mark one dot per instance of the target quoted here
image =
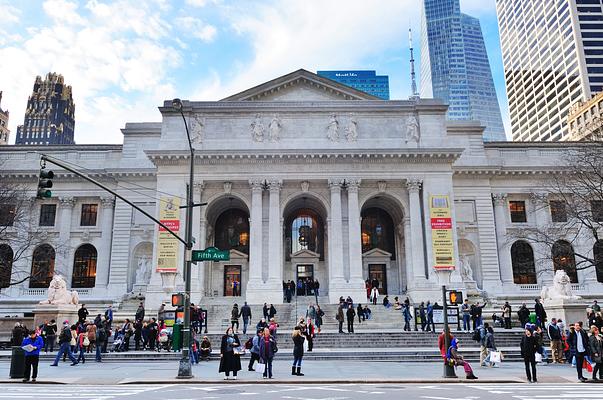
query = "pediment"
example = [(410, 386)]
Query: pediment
[(305, 253), (377, 253), (301, 85), (236, 254)]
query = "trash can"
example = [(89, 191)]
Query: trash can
[(17, 363), (177, 337)]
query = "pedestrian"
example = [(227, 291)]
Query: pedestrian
[(375, 295), (261, 325), (539, 335), (268, 349), (246, 314), (319, 314), (107, 327), (139, 316), (360, 313), (137, 334), (311, 312), (272, 326), (579, 341), (50, 330), (506, 309), (205, 349), (596, 352), (524, 315), (483, 350), (34, 344), (234, 317), (271, 312), (265, 310), (127, 330), (65, 345), (298, 351), (407, 317), (540, 313), (316, 290), (255, 348), (422, 316), (490, 346), (82, 313), (82, 345), (442, 342), (595, 307), (555, 335), (101, 335), (350, 314), (310, 335), (430, 323), (476, 315), (339, 317), (465, 311), (529, 348), (91, 334), (18, 334), (229, 360), (109, 315), (161, 312), (457, 359), (153, 330), (368, 288)]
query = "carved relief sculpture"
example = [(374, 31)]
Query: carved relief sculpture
[(257, 129), (466, 270), (333, 129), (197, 129), (143, 271), (351, 133), (274, 129), (413, 133)]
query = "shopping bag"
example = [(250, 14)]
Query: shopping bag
[(260, 368), (587, 365), (495, 357), (538, 357)]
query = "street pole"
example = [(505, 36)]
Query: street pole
[(185, 367), (448, 369)]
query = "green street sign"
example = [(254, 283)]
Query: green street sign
[(211, 254)]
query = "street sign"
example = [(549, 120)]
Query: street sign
[(211, 254)]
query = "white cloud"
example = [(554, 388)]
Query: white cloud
[(63, 11), (197, 28), (200, 3), (10, 13)]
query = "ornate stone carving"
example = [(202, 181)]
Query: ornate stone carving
[(256, 184), (274, 185), (499, 199), (413, 133), (305, 186), (227, 187), (275, 128), (86, 235), (257, 129), (335, 183), (107, 202), (352, 184), (333, 129), (143, 270), (58, 293), (351, 132), (381, 186), (466, 270), (197, 129), (414, 184), (539, 198), (198, 187), (561, 288), (66, 202)]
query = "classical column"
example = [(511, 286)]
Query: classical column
[(407, 252), (255, 235), (416, 230), (504, 253), (66, 205), (198, 269), (275, 262), (202, 245), (104, 252), (354, 232), (337, 282)]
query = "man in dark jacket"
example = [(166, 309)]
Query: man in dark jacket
[(350, 314), (64, 343), (82, 313), (140, 312), (540, 313), (524, 315), (578, 341), (50, 332), (246, 314), (555, 336)]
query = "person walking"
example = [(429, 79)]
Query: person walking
[(555, 335), (82, 345), (579, 341), (540, 313), (265, 311), (407, 317), (539, 335), (65, 345), (506, 313), (255, 349), (32, 355), (229, 361), (311, 312), (422, 316), (101, 335), (139, 316), (595, 343), (246, 314), (82, 313), (454, 356), (268, 349), (339, 317), (483, 350), (465, 311), (109, 315), (350, 314), (360, 313), (523, 314), (234, 317), (374, 295), (298, 351), (490, 346), (430, 323), (529, 348), (319, 314), (271, 312), (51, 335)]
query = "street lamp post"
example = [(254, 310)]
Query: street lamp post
[(185, 367)]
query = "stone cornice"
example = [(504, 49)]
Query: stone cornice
[(62, 175), (505, 171)]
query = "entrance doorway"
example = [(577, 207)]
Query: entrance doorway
[(377, 273), (305, 279), (232, 280)]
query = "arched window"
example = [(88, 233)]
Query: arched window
[(598, 252), (305, 231), (377, 231), (84, 267), (563, 258), (522, 260), (232, 231), (42, 266), (6, 265)]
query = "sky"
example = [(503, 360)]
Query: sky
[(123, 58)]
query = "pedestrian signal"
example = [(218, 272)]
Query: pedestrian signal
[(455, 297), (177, 300)]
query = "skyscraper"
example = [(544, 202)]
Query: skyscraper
[(366, 81), (49, 118), (4, 132), (455, 66), (553, 57)]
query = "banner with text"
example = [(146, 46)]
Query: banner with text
[(441, 232), (167, 245)]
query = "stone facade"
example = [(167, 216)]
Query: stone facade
[(280, 155), (4, 132)]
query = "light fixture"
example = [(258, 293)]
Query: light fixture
[(177, 104), (243, 238)]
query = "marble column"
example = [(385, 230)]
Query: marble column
[(275, 260), (337, 283), (202, 266), (504, 250), (62, 266), (407, 252), (198, 269), (104, 251), (254, 285), (416, 231), (354, 233)]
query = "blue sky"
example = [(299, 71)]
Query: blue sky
[(124, 57)]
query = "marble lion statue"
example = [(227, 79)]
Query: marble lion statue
[(561, 288), (58, 293)]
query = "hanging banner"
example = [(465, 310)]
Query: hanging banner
[(441, 232), (167, 245)]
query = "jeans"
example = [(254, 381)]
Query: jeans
[(430, 323), (508, 323), (297, 361), (579, 363), (407, 325), (49, 343), (64, 349), (254, 357), (31, 362), (531, 377), (268, 370), (340, 326), (98, 351), (82, 355), (245, 323), (351, 325), (466, 325)]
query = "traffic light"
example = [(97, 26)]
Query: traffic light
[(455, 297), (44, 183), (177, 300)]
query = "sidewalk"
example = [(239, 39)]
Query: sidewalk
[(315, 372)]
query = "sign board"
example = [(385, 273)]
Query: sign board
[(441, 232), (211, 254), (167, 245), (169, 317), (453, 316)]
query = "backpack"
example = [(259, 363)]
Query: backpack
[(274, 347), (100, 333), (477, 336)]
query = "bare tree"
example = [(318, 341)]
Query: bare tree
[(574, 198)]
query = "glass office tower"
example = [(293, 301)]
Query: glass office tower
[(455, 66), (366, 81)]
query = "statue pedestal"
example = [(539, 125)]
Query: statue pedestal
[(569, 310), (58, 312)]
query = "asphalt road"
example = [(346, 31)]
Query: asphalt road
[(574, 391)]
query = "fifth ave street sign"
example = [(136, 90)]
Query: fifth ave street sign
[(211, 254)]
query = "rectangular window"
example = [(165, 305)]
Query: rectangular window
[(7, 214), (518, 211), (48, 213), (558, 211), (89, 212), (596, 207)]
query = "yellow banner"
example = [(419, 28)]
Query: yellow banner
[(167, 245), (441, 232)]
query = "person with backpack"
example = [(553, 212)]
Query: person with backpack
[(479, 335), (82, 344), (65, 345), (298, 351), (490, 346), (234, 317), (268, 348), (253, 345)]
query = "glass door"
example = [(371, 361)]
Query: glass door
[(232, 280), (377, 273)]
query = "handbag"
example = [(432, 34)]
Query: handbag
[(495, 356), (259, 367), (538, 357), (86, 341)]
